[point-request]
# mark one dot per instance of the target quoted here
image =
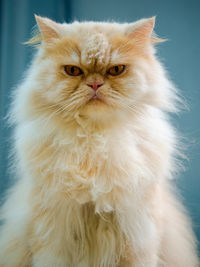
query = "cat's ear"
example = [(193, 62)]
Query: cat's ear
[(48, 28), (142, 31)]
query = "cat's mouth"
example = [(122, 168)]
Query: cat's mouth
[(96, 99)]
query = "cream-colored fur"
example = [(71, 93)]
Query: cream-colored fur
[(93, 185)]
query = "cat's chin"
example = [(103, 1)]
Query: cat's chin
[(98, 111)]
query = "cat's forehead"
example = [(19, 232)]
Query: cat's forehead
[(95, 42), (96, 50)]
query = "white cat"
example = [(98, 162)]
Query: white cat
[(94, 154)]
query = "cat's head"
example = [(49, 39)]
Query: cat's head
[(96, 70)]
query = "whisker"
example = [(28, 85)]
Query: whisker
[(116, 96)]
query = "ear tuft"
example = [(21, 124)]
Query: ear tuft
[(48, 28)]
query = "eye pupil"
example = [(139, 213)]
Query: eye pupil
[(116, 70), (73, 70)]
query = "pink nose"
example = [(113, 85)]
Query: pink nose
[(95, 85)]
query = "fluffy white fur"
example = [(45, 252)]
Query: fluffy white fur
[(93, 185)]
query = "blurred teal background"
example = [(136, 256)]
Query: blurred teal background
[(177, 20)]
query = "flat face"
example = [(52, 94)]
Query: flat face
[(95, 69)]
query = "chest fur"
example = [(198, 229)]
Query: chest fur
[(85, 170), (79, 235)]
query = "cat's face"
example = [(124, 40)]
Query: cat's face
[(96, 69)]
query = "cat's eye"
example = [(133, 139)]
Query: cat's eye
[(116, 70), (73, 70)]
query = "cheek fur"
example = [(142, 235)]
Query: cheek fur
[(57, 87), (134, 86)]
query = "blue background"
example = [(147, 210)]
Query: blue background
[(177, 20)]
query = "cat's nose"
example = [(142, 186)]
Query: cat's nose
[(95, 85)]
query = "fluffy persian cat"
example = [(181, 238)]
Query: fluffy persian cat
[(94, 154)]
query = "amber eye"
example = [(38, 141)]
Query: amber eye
[(73, 70), (116, 70)]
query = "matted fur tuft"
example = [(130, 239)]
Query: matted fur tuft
[(94, 168)]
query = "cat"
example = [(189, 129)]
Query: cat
[(95, 153)]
